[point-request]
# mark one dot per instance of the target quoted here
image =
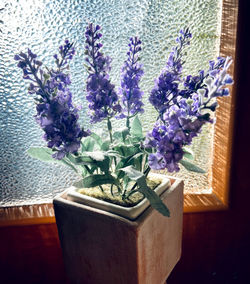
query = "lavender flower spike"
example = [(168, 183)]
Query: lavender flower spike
[(59, 121), (101, 94), (56, 113), (183, 121), (166, 87), (131, 76), (219, 80)]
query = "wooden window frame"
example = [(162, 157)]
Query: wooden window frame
[(218, 199)]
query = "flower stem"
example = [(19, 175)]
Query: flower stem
[(110, 130), (128, 123), (111, 136)]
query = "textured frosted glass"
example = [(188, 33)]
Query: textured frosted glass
[(43, 25)]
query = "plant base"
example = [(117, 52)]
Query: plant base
[(128, 212), (101, 247)]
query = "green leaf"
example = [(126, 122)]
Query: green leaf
[(136, 128), (84, 171), (188, 153), (78, 184), (64, 161), (103, 165), (126, 150), (132, 173), (93, 161), (96, 180), (105, 146), (133, 140), (92, 169), (136, 156), (121, 134), (80, 160), (150, 194), (97, 138), (153, 198), (126, 181), (128, 161), (88, 144), (191, 167), (43, 154), (112, 153), (137, 161)]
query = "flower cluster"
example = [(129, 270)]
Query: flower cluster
[(169, 136), (167, 85), (101, 94), (66, 53), (56, 113), (32, 71), (179, 123), (131, 95), (168, 152)]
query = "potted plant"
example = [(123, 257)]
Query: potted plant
[(109, 233)]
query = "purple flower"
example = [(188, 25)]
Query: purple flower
[(192, 84), (180, 124), (56, 113), (216, 82), (156, 161), (101, 94), (209, 84), (59, 121), (168, 149), (166, 87), (66, 53), (32, 68), (132, 72), (44, 84), (184, 105)]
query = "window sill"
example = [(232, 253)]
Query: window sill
[(203, 202), (44, 213), (27, 215)]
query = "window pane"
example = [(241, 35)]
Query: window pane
[(42, 26)]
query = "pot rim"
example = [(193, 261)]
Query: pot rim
[(130, 213)]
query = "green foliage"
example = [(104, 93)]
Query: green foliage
[(188, 153), (97, 138), (42, 154), (191, 167), (153, 198), (94, 160), (105, 146), (88, 144), (136, 128), (45, 154), (121, 134), (119, 161), (99, 179)]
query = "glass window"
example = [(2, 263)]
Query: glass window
[(42, 26)]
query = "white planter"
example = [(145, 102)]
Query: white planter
[(128, 212)]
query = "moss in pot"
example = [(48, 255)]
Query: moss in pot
[(115, 197)]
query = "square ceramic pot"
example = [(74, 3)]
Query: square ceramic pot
[(101, 247)]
